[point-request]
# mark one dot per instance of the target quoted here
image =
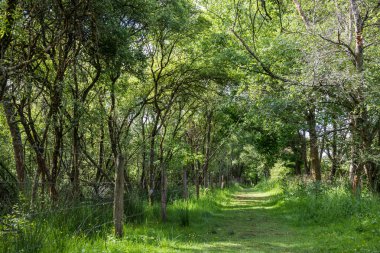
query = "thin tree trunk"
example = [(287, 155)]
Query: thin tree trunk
[(100, 159), (143, 180), (314, 156), (164, 192), (153, 134), (304, 153), (334, 155), (196, 179), (207, 149), (185, 187), (75, 143), (76, 163), (18, 149), (35, 187), (58, 135), (118, 210)]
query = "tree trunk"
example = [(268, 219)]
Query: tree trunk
[(297, 167), (118, 210), (76, 163), (35, 187), (58, 135), (164, 192), (75, 143), (314, 156), (18, 149), (334, 152), (304, 153), (143, 180), (185, 187), (152, 159), (357, 121), (196, 179), (207, 149), (100, 159)]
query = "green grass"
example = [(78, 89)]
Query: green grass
[(303, 218)]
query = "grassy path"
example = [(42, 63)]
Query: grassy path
[(254, 222), (250, 223)]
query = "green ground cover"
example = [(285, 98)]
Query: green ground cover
[(261, 219)]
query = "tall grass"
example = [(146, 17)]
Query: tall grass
[(50, 230), (326, 203), (87, 227)]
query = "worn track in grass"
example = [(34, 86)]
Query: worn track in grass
[(250, 223), (255, 222)]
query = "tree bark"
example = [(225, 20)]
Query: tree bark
[(304, 153), (164, 192), (334, 152), (118, 210), (196, 179), (143, 179), (358, 113), (185, 186), (18, 149), (207, 149), (314, 153), (151, 184), (75, 144)]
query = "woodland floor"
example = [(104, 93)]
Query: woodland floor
[(247, 220), (255, 222)]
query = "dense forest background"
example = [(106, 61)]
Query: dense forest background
[(160, 100)]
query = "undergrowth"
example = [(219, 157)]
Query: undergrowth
[(87, 227), (329, 217), (326, 203)]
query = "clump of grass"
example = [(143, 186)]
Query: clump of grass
[(134, 207), (49, 230), (184, 216), (322, 203), (197, 211)]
